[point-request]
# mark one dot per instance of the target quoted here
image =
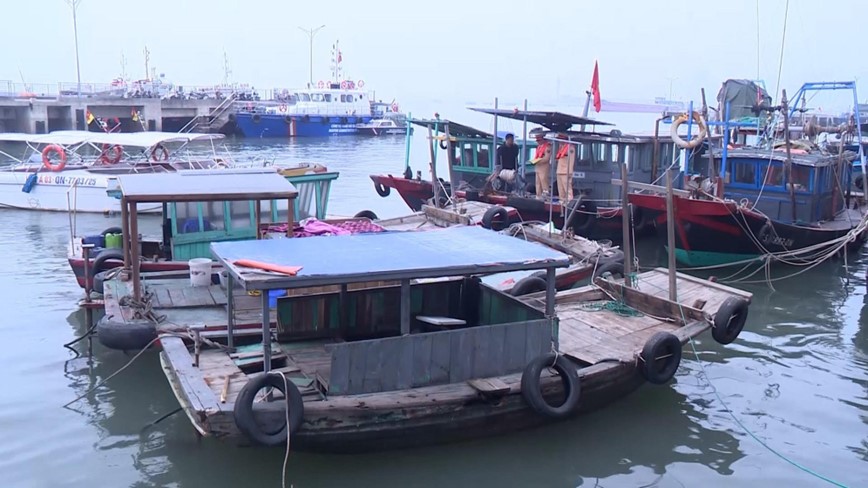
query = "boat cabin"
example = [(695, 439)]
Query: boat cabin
[(391, 320), (813, 193), (202, 207), (334, 101)]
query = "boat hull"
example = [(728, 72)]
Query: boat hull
[(275, 125), (60, 191), (605, 224), (711, 233)]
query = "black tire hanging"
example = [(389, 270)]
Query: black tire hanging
[(122, 335), (729, 320), (530, 385), (100, 263), (256, 118), (366, 214), (528, 284), (583, 218), (661, 357), (495, 218), (112, 230), (245, 419), (382, 190)]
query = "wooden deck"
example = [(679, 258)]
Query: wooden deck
[(463, 213), (591, 333)]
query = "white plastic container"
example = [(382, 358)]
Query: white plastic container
[(200, 271)]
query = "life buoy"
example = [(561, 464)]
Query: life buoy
[(361, 83), (343, 85), (281, 108), (320, 84), (256, 118), (156, 150), (46, 160), (111, 154), (530, 385), (287, 119), (394, 107), (697, 139), (660, 357), (246, 420), (583, 218), (495, 218), (729, 320), (382, 190), (528, 284)]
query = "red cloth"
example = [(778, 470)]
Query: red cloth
[(595, 88)]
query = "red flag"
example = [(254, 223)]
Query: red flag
[(595, 88), (340, 58)]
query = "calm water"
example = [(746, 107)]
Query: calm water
[(797, 378)]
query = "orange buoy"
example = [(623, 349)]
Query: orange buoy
[(46, 160)]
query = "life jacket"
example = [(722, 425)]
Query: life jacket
[(541, 150), (563, 151)]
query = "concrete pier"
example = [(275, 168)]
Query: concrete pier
[(39, 115)]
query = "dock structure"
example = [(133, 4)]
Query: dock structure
[(41, 113)]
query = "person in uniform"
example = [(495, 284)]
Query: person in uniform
[(542, 164), (566, 158)]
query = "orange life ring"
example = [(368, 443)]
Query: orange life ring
[(46, 161), (155, 157), (395, 107), (344, 85), (111, 154), (320, 84), (282, 107)]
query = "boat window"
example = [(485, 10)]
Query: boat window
[(303, 97), (466, 158), (241, 213), (187, 219), (772, 174), (616, 152), (327, 97), (745, 173), (273, 211), (629, 157), (802, 176), (482, 156)]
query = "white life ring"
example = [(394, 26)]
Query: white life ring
[(361, 84), (697, 139), (282, 108)]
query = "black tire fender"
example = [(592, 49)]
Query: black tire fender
[(99, 263), (530, 385), (125, 336), (366, 214), (729, 320), (112, 230), (583, 218), (495, 218), (382, 190), (245, 418), (661, 357), (613, 267), (528, 284)]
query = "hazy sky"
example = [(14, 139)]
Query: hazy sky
[(460, 51)]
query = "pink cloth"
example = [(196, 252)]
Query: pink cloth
[(313, 227)]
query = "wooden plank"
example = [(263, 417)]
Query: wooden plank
[(406, 365), (340, 367), (515, 347), (479, 339), (177, 297), (441, 357), (421, 373), (199, 395), (162, 297), (532, 339), (358, 361), (496, 348), (650, 304), (461, 356), (389, 362), (494, 387)]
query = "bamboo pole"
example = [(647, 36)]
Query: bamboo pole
[(670, 235)]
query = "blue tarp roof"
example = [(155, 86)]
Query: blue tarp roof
[(330, 260)]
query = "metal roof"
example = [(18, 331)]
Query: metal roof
[(557, 121), (455, 129), (132, 139), (329, 260), (206, 185)]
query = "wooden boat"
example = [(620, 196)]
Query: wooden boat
[(376, 348), (188, 229), (588, 258), (790, 200), (593, 213)]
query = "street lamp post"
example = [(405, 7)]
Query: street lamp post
[(310, 33), (74, 5)]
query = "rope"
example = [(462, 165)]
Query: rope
[(614, 306), (288, 430), (748, 431)]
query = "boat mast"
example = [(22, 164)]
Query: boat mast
[(789, 156)]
